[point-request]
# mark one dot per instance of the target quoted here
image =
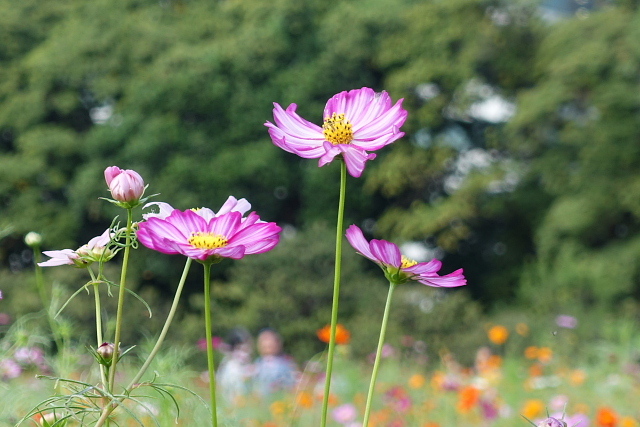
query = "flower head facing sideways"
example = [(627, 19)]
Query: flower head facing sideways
[(398, 268), (97, 249), (208, 239), (355, 122)]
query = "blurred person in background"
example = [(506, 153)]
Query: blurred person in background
[(274, 371)]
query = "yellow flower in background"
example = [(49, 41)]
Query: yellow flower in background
[(278, 408), (532, 408), (628, 422), (522, 329), (417, 381), (498, 334), (577, 377)]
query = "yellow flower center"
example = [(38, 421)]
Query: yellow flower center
[(207, 240), (337, 129), (406, 262)]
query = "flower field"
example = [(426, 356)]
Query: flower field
[(599, 387)]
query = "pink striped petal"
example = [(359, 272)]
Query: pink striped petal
[(386, 252), (359, 243), (431, 267), (451, 280)]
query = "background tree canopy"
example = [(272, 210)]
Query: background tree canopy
[(520, 162)]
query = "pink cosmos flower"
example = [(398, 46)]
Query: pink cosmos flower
[(355, 122), (230, 205), (345, 414), (207, 239), (95, 250), (398, 268), (125, 185)]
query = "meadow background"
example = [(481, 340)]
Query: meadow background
[(520, 164)]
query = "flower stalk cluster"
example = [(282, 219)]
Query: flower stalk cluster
[(356, 124)]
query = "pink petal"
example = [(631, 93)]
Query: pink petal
[(331, 151), (359, 243), (431, 267), (451, 280), (235, 252), (233, 204), (355, 159), (188, 222), (110, 173), (254, 234), (376, 144), (294, 134), (386, 252), (382, 124), (164, 210), (62, 257), (225, 225)]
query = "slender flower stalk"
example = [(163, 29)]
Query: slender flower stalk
[(165, 328), (208, 237), (398, 269), (209, 338), (376, 364), (355, 123), (57, 336), (99, 336), (336, 293), (156, 348), (121, 294)]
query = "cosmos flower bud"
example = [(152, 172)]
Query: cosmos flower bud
[(105, 353), (33, 239), (126, 186)]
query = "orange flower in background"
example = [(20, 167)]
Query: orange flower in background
[(531, 352), (304, 399), (467, 398), (606, 417), (533, 408), (494, 362), (417, 381), (430, 424), (536, 370), (498, 334), (545, 354), (343, 336)]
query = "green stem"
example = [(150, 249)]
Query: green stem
[(165, 328), (209, 337), (336, 292), (99, 337), (174, 306), (376, 364), (57, 336), (121, 293)]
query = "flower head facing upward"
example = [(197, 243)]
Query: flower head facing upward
[(126, 186), (97, 249), (208, 239), (355, 122), (398, 268)]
